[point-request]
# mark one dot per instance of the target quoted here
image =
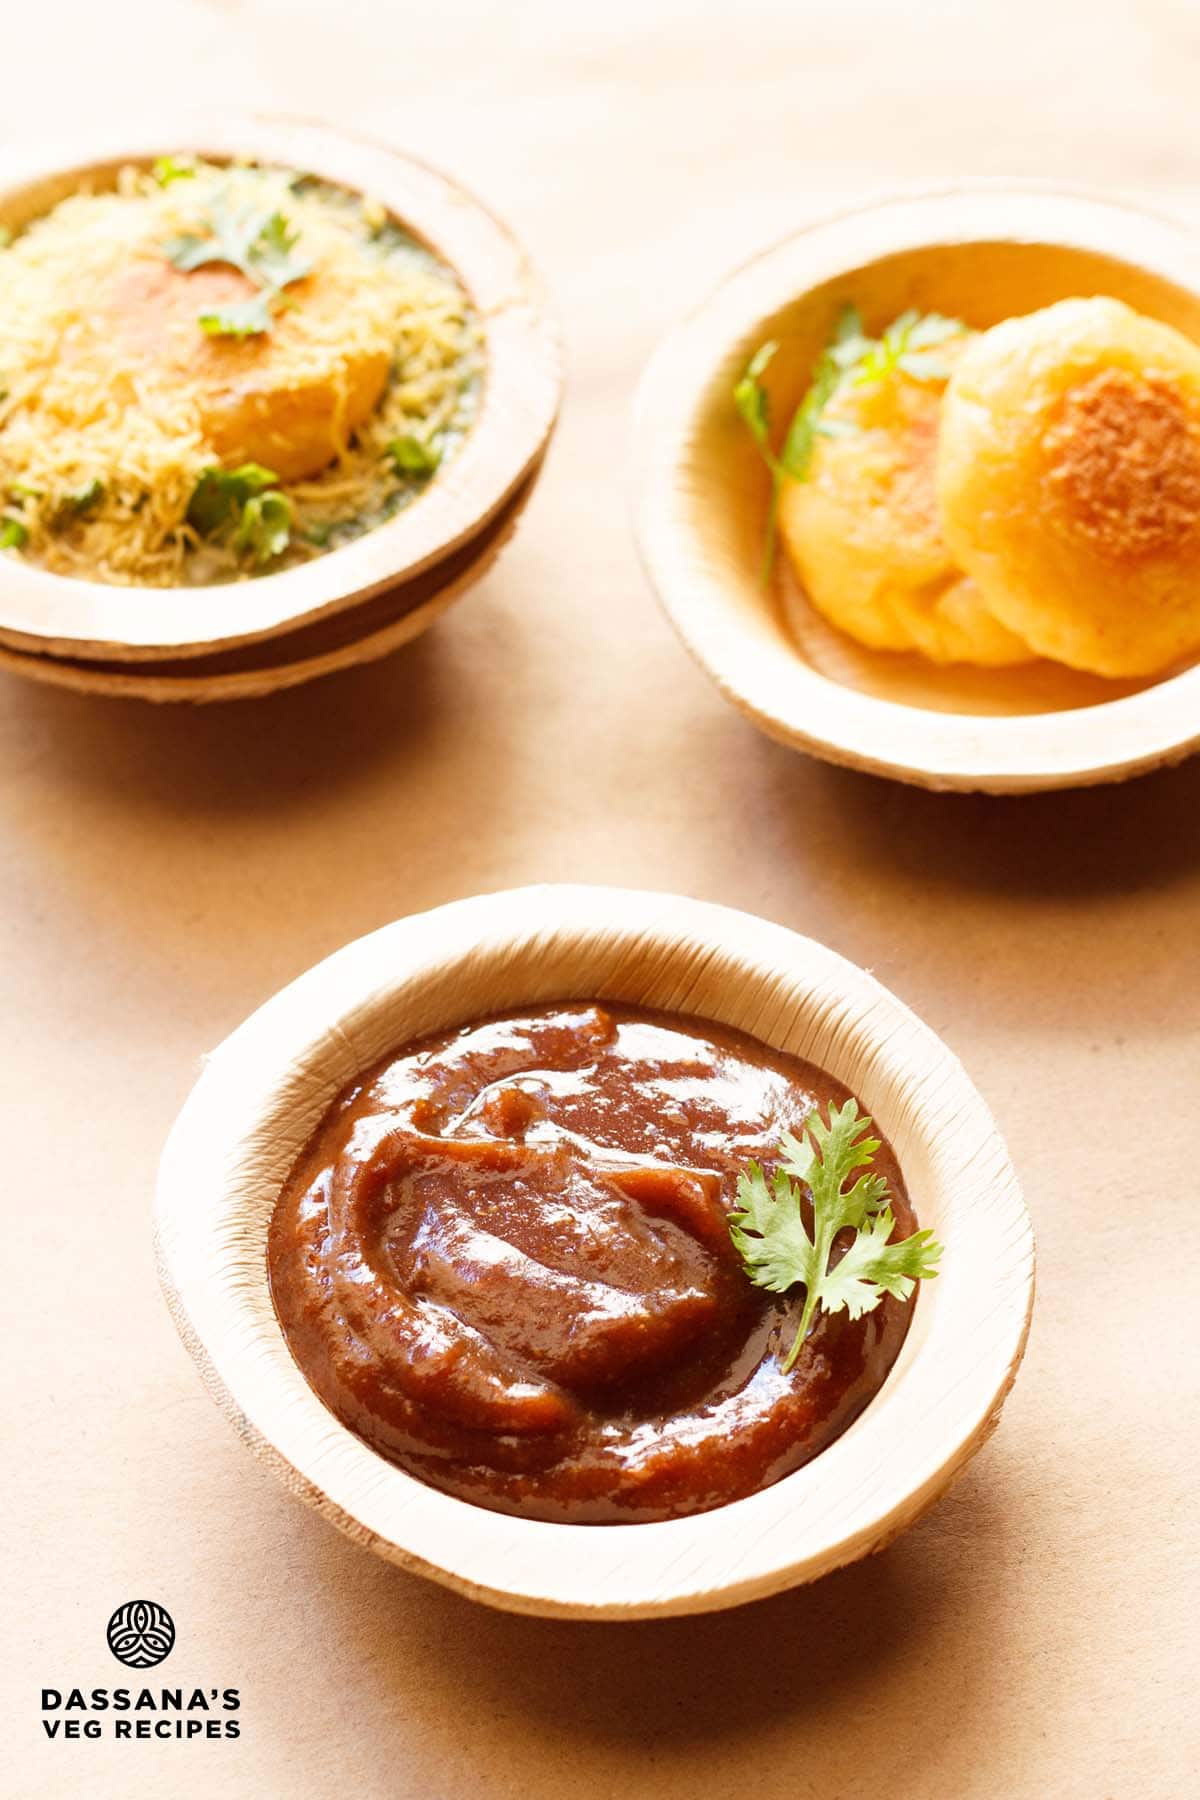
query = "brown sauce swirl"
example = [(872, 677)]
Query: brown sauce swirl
[(504, 1261)]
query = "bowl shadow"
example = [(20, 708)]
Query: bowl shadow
[(1070, 844), (680, 1682), (266, 755), (717, 1682)]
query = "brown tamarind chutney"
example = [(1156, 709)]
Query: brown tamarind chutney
[(504, 1261)]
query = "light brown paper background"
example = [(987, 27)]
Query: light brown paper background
[(163, 872)]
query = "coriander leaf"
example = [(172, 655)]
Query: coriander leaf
[(829, 1154), (73, 506), (173, 168), (231, 234), (850, 358), (13, 534), (238, 318), (842, 353), (931, 329), (754, 403), (86, 497), (872, 1266), (270, 253), (903, 347), (849, 339), (6, 236), (413, 456), (243, 507), (769, 1231), (190, 251), (257, 243), (266, 526), (220, 494)]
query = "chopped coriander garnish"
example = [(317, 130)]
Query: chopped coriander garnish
[(259, 243), (752, 400), (73, 506), (86, 497), (770, 1234), (216, 504), (240, 318), (849, 359), (905, 346), (6, 236), (173, 168), (841, 357), (270, 254), (265, 527), (13, 534), (411, 455), (244, 506)]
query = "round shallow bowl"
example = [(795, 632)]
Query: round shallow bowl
[(365, 633), (522, 380), (264, 1091), (976, 252)]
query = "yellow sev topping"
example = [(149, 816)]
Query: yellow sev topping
[(116, 399)]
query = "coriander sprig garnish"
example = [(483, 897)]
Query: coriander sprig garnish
[(257, 241), (242, 507), (905, 346), (770, 1234), (849, 359)]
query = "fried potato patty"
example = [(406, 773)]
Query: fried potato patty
[(863, 532), (1068, 476), (256, 398)]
